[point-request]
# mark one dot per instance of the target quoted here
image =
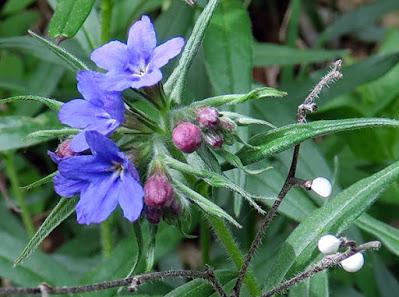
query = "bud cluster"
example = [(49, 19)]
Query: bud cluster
[(213, 128), (159, 198)]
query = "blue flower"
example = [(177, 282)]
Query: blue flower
[(100, 110), (135, 64), (104, 179)]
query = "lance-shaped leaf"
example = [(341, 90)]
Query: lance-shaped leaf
[(50, 103), (175, 84), (73, 62), (150, 253), (243, 120), (69, 16), (280, 139), (216, 180), (334, 217), (45, 135), (206, 205), (61, 211), (233, 99), (39, 182)]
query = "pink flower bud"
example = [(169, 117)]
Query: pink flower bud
[(187, 137), (214, 139), (157, 190), (64, 149), (153, 214), (207, 117)]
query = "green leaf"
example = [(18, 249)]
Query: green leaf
[(199, 287), (69, 16), (358, 19), (50, 103), (216, 180), (316, 286), (388, 235), (206, 205), (239, 98), (13, 6), (45, 135), (73, 62), (334, 217), (39, 182), (242, 120), (266, 54), (175, 84), (15, 129), (278, 140), (140, 243), (228, 48), (64, 208)]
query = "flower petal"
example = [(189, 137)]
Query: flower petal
[(142, 39), (111, 56), (103, 147), (117, 81), (67, 187), (97, 201), (79, 113), (78, 143), (130, 197), (166, 51), (148, 80), (86, 167)]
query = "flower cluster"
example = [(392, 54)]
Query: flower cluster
[(90, 164)]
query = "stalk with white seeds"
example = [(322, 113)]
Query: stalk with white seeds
[(321, 186)]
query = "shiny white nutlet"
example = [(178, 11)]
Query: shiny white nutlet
[(321, 186), (353, 263), (328, 244)]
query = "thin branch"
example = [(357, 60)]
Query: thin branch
[(325, 263), (309, 105), (132, 283)]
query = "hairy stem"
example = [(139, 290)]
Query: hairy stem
[(18, 193), (106, 238), (226, 238), (132, 283), (325, 263), (289, 182)]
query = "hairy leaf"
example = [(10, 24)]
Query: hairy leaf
[(51, 103)]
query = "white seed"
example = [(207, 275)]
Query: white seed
[(353, 263), (321, 186), (328, 244)]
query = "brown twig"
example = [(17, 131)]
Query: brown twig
[(325, 263), (309, 105), (132, 283)]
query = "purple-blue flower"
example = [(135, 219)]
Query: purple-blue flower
[(135, 64), (100, 110), (103, 179)]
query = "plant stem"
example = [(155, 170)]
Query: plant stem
[(19, 195), (105, 229), (205, 239), (225, 236), (106, 15), (106, 238)]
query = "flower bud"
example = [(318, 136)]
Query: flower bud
[(321, 186), (207, 117), (228, 124), (157, 190), (63, 151), (353, 263), (153, 214), (328, 244), (214, 139), (187, 137)]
